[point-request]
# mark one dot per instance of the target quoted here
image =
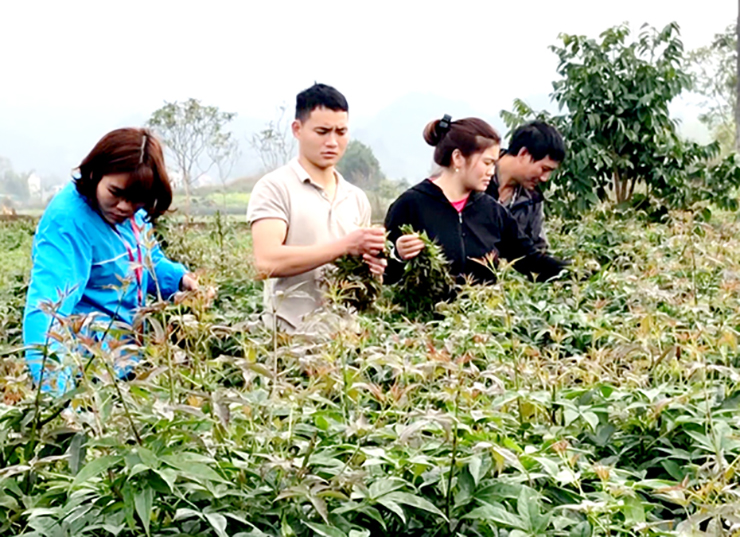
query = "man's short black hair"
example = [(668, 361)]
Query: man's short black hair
[(539, 139), (319, 96)]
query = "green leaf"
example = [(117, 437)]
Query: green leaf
[(218, 522), (320, 506), (548, 465), (143, 503), (582, 529), (566, 476), (325, 531), (382, 486), (634, 511), (186, 512), (96, 467), (128, 504), (528, 507), (169, 476), (570, 415), (497, 514), (525, 508), (475, 468), (412, 500), (194, 470), (77, 451), (497, 492), (675, 470), (592, 419), (392, 506), (147, 458)]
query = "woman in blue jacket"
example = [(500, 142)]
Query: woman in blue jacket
[(95, 259)]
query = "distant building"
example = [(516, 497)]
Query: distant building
[(205, 180), (34, 187)]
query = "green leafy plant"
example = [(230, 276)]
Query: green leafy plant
[(351, 283), (600, 405), (426, 279), (614, 93)]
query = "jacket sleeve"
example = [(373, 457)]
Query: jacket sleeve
[(164, 274), (399, 213), (539, 238), (516, 246), (62, 261)]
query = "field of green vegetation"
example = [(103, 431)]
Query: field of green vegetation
[(605, 403)]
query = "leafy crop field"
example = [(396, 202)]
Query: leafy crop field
[(605, 403)]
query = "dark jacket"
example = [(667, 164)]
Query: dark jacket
[(483, 227), (527, 208)]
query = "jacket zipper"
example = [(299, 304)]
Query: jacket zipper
[(462, 242)]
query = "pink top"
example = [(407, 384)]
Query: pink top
[(459, 205)]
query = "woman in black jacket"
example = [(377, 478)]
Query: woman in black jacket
[(453, 209)]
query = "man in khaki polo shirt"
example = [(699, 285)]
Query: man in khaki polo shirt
[(305, 215)]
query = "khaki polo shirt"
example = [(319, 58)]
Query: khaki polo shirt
[(289, 194)]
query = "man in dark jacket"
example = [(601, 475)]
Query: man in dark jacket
[(481, 229), (535, 151)]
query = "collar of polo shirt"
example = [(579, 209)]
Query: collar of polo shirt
[(304, 177)]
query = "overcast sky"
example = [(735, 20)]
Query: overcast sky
[(125, 58)]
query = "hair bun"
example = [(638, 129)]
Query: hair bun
[(436, 130)]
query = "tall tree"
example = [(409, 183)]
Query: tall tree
[(275, 144), (196, 136), (12, 182), (614, 93), (360, 167), (225, 155), (714, 72)]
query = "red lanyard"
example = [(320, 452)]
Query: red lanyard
[(137, 261)]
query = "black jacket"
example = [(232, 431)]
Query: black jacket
[(484, 226), (527, 208)]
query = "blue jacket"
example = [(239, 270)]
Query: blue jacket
[(84, 266)]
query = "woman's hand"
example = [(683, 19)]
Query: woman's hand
[(190, 282), (409, 246)]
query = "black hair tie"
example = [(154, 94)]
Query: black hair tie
[(444, 124)]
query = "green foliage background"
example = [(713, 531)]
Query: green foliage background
[(602, 404), (614, 94)]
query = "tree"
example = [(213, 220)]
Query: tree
[(195, 135), (225, 155), (613, 97), (275, 144), (360, 167), (714, 72), (13, 183)]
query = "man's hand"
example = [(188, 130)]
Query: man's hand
[(377, 265), (409, 246), (366, 240)]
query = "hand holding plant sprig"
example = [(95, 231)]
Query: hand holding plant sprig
[(409, 245), (369, 244), (357, 279), (426, 278)]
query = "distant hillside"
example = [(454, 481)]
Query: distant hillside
[(53, 141), (395, 133)]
